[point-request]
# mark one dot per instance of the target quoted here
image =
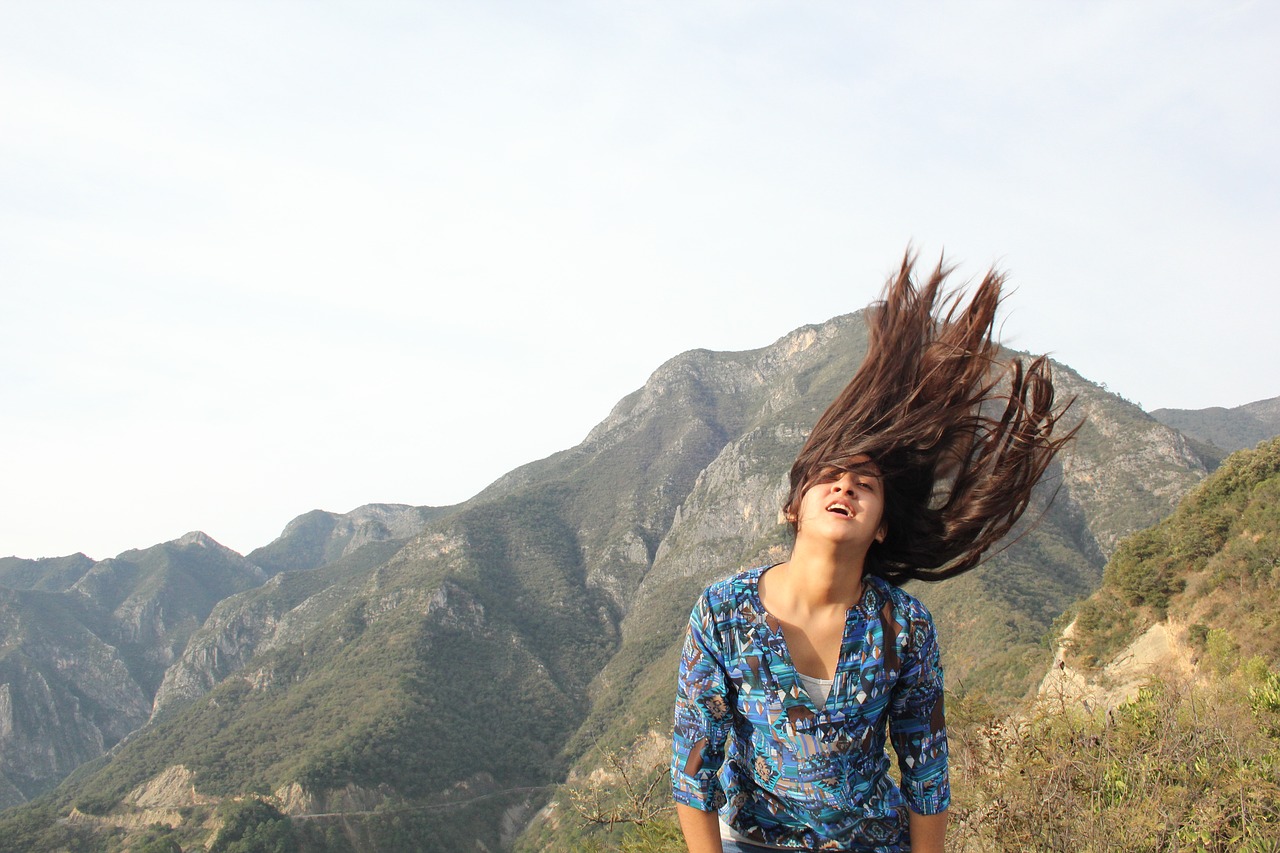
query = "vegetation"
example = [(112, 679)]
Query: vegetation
[(1214, 564), (1182, 767), (252, 825), (158, 838), (625, 804), (1185, 766)]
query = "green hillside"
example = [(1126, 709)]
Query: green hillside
[(1211, 567)]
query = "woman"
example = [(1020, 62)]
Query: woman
[(792, 675)]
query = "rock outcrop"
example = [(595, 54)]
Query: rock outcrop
[(1160, 651)]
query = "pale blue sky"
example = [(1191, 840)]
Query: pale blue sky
[(259, 258)]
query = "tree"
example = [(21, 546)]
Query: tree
[(252, 825)]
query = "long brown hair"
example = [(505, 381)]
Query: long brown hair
[(960, 438)]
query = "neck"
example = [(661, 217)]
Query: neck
[(822, 574)]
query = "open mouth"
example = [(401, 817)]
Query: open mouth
[(840, 509)]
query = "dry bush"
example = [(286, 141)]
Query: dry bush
[(1180, 768), (629, 788)]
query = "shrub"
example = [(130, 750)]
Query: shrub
[(253, 826), (1178, 768)]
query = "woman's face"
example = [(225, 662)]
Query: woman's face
[(844, 504)]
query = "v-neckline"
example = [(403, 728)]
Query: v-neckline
[(785, 648)]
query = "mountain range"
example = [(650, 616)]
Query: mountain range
[(432, 673), (1226, 430)]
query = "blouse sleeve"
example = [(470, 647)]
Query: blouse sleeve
[(917, 722), (702, 717)]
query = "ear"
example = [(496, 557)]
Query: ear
[(881, 533)]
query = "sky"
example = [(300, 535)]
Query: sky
[(262, 258)]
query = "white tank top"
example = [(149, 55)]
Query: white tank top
[(817, 688)]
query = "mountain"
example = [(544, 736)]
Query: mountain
[(89, 649), (434, 679), (1226, 429), (318, 537), (51, 574), (84, 645)]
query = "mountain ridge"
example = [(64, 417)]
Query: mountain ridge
[(1227, 429)]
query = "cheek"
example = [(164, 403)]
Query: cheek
[(816, 501), (806, 507), (883, 523)]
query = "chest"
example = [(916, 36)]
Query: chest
[(815, 646), (864, 667)]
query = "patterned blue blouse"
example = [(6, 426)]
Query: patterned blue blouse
[(750, 742)]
